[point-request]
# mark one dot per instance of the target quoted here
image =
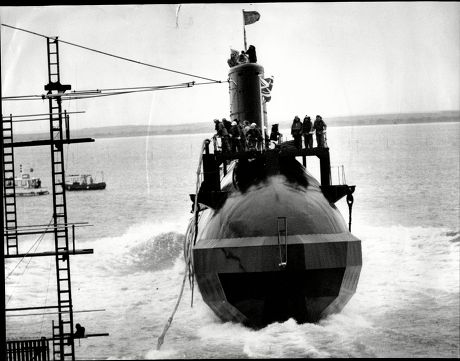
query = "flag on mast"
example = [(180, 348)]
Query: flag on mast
[(250, 17)]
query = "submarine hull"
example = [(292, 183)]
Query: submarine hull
[(251, 269)]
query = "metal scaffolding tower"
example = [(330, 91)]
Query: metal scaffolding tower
[(62, 330)]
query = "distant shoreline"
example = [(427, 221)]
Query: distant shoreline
[(208, 127)]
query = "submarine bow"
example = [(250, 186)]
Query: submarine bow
[(270, 243)]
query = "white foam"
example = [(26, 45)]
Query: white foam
[(406, 272)]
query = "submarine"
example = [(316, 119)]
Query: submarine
[(267, 241)]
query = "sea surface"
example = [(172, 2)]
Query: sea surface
[(406, 212)]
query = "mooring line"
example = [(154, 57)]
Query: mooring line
[(189, 241)]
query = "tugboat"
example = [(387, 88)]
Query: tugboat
[(83, 182), (267, 241), (28, 186)]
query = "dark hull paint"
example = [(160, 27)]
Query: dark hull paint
[(85, 187), (237, 256), (31, 193)]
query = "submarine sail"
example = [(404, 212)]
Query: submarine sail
[(269, 243)]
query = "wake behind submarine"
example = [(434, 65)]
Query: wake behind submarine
[(268, 242)]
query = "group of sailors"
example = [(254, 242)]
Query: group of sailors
[(237, 136), (248, 56), (306, 129)]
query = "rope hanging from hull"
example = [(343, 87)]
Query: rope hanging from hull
[(189, 240)]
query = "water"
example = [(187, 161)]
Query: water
[(406, 213)]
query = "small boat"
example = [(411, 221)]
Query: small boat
[(83, 182), (27, 186)]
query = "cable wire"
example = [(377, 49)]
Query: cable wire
[(99, 93), (112, 55)]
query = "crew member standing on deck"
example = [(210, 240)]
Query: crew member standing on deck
[(235, 138), (246, 127), (227, 124), (254, 137), (307, 132), (296, 132), (242, 135), (320, 128), (251, 53), (275, 135), (243, 58), (221, 132)]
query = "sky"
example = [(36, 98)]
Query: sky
[(333, 59)]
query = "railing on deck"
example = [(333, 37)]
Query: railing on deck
[(340, 173)]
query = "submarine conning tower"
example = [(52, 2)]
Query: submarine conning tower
[(245, 94), (246, 103)]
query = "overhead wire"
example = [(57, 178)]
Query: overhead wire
[(76, 95), (113, 55)]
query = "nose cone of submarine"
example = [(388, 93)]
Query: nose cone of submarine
[(255, 213)]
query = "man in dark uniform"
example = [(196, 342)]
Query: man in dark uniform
[(223, 134), (235, 138), (320, 128), (296, 132), (251, 53), (306, 132)]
